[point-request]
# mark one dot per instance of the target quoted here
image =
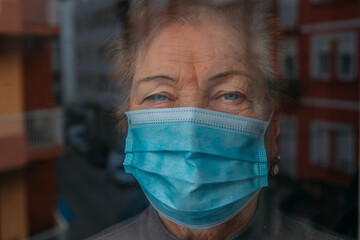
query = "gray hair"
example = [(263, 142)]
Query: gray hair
[(251, 18)]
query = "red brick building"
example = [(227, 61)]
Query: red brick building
[(30, 123), (321, 50)]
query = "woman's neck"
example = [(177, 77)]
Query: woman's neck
[(222, 231)]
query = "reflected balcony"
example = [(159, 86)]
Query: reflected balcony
[(29, 17), (30, 136), (44, 133)]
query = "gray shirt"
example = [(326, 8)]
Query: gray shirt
[(268, 222)]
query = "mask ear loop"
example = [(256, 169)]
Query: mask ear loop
[(271, 115), (274, 163)]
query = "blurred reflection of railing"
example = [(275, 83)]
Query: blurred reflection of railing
[(44, 129), (40, 12)]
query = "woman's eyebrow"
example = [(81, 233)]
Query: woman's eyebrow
[(146, 79), (228, 73), (215, 77), (156, 77)]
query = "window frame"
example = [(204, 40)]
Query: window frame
[(346, 42)]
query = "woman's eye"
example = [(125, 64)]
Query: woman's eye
[(231, 96), (159, 97)]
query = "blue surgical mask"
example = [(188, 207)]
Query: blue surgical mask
[(197, 167)]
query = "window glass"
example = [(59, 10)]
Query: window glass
[(345, 64), (324, 63), (320, 144), (346, 51), (345, 149), (320, 57), (288, 146), (288, 12), (288, 57), (304, 70)]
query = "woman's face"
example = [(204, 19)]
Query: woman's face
[(202, 67), (186, 66)]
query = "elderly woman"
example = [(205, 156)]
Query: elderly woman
[(203, 108)]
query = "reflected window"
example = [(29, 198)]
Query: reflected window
[(345, 64), (345, 149), (320, 144), (288, 13), (289, 58), (333, 146), (346, 60), (337, 49), (288, 146), (324, 63), (320, 57)]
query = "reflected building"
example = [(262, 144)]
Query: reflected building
[(31, 125), (321, 51), (88, 27), (287, 62)]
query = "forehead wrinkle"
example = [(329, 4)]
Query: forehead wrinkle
[(176, 51), (189, 34), (191, 58), (170, 43)]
